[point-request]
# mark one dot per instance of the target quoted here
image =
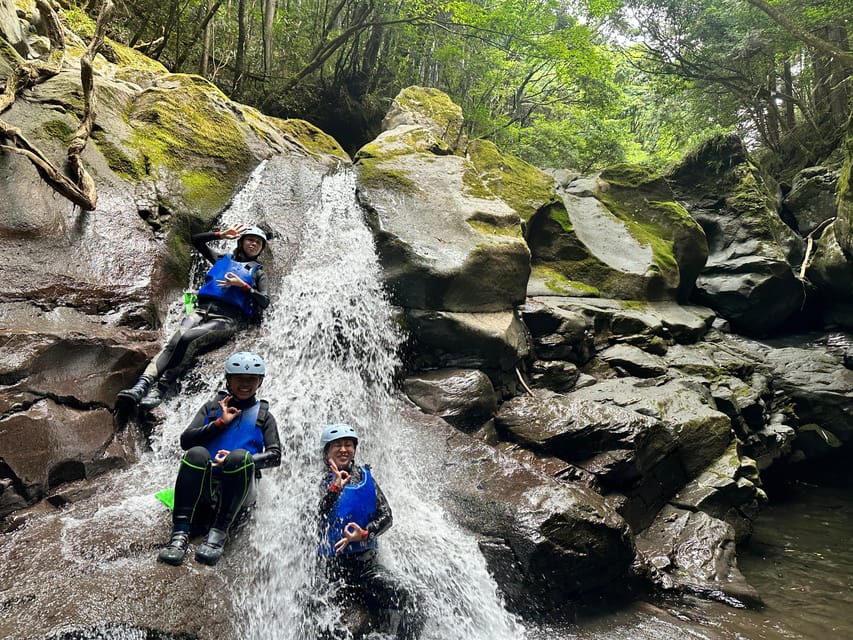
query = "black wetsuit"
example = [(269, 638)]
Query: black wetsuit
[(380, 590), (212, 323), (205, 498)]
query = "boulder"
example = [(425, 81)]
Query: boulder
[(547, 543), (492, 342), (580, 430), (463, 397), (749, 277), (691, 552), (445, 242), (811, 200), (700, 432), (620, 234)]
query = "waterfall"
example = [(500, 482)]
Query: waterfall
[(330, 344)]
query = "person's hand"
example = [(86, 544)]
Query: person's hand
[(231, 280), (341, 477), (228, 413), (220, 456), (352, 533), (233, 232)]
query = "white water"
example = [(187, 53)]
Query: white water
[(330, 347)]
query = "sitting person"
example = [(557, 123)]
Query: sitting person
[(235, 290), (228, 442), (353, 514)]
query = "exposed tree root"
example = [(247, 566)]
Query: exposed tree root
[(79, 188)]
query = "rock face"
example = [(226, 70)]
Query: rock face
[(620, 233), (546, 542), (749, 277)]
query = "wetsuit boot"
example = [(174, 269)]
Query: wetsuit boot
[(153, 398), (137, 391), (174, 552), (211, 550)]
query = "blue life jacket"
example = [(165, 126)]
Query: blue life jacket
[(236, 296), (356, 503), (243, 433)]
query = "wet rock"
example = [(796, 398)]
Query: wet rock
[(634, 361), (463, 397), (555, 375), (616, 445), (69, 567), (728, 489), (819, 385), (546, 542), (811, 200), (693, 552), (49, 444), (684, 407), (558, 334), (491, 342)]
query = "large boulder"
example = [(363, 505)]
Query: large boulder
[(749, 277), (445, 240), (547, 543), (620, 234)]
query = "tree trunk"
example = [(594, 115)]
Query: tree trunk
[(267, 34), (204, 62), (788, 80), (240, 55)]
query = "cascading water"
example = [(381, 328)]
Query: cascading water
[(330, 345)]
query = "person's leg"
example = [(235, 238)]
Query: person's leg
[(237, 489), (193, 501), (195, 336), (387, 597), (159, 363)]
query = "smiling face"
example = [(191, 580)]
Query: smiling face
[(252, 245), (341, 452), (242, 385)]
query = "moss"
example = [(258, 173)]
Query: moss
[(75, 19), (403, 141), (116, 159), (521, 185), (58, 130), (310, 137), (373, 176), (184, 123), (126, 57), (433, 104), (629, 175), (484, 227), (473, 185), (558, 214), (634, 305), (561, 285)]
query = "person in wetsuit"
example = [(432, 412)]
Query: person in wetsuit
[(230, 439), (235, 291), (353, 514)]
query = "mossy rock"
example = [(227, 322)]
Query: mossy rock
[(184, 123), (76, 20), (558, 284), (430, 108), (521, 185), (844, 220), (404, 139), (312, 139)]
